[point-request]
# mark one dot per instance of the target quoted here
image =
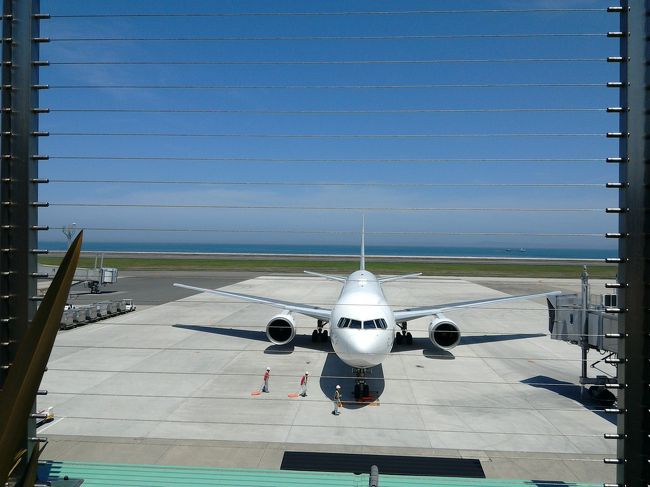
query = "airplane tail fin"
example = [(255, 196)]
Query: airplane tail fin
[(362, 265)]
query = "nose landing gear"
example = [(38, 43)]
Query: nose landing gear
[(361, 387), (403, 336), (319, 334)]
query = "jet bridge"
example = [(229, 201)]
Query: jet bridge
[(95, 278), (583, 320)]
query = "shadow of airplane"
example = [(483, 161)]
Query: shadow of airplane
[(335, 371), (570, 391), (260, 336), (474, 339), (430, 351)]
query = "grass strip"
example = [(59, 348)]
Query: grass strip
[(476, 269)]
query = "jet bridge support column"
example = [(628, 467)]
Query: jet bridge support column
[(584, 339)]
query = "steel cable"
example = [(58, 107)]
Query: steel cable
[(326, 184), (130, 158), (327, 14), (326, 62), (323, 208), (331, 87), (325, 112), (328, 38), (333, 232), (311, 424), (335, 377), (287, 352), (319, 136)]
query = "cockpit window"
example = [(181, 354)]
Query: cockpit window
[(366, 325), (355, 324)]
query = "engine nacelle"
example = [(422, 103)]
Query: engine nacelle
[(444, 333), (281, 329)]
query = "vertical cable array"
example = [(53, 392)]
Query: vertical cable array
[(249, 136), (19, 181)]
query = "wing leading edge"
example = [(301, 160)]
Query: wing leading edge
[(327, 276), (304, 309), (420, 312), (398, 278)]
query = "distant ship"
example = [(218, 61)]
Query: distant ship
[(522, 250)]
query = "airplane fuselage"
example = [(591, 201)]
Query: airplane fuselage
[(362, 326)]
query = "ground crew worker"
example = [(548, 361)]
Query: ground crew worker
[(337, 401), (303, 384), (265, 385)]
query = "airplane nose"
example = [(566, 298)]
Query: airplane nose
[(363, 349)]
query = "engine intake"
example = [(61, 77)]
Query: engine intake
[(281, 329), (444, 333)]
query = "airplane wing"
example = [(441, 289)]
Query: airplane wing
[(413, 313), (326, 276), (397, 278), (304, 309)]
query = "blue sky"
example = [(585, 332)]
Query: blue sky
[(247, 113)]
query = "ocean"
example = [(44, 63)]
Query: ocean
[(392, 250)]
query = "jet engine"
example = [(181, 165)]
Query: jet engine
[(281, 329), (443, 332)]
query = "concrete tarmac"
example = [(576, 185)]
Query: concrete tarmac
[(172, 382), (152, 288)]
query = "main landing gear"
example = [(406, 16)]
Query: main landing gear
[(403, 336), (361, 387), (319, 335)]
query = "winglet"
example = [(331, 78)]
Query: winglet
[(363, 243)]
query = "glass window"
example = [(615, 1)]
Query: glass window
[(368, 325), (355, 324), (343, 322), (381, 324)]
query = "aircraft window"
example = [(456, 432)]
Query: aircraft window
[(369, 324), (381, 324), (344, 322), (355, 324)]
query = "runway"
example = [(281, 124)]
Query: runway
[(182, 372)]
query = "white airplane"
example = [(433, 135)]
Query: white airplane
[(363, 325)]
